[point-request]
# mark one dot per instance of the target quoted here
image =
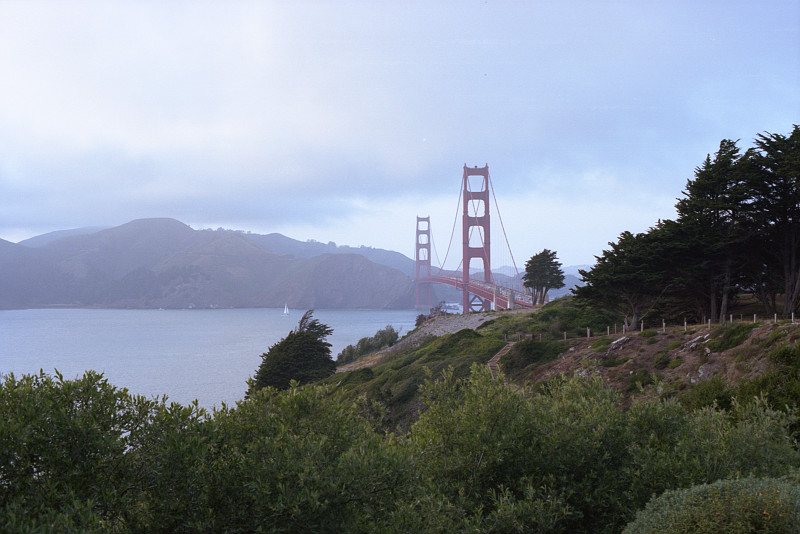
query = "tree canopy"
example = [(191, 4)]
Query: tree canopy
[(303, 356), (737, 231), (543, 273)]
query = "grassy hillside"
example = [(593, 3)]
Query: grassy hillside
[(697, 365)]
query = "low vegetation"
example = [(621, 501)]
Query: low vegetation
[(383, 338), (82, 455), (766, 505)]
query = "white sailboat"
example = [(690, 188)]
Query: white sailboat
[(285, 310)]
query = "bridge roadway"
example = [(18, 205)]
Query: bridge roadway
[(502, 297)]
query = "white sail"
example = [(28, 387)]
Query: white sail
[(285, 310)]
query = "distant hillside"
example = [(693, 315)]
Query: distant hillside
[(163, 263), (44, 239), (280, 244), (28, 277)]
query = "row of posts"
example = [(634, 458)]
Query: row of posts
[(664, 325)]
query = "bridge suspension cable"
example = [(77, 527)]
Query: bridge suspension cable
[(502, 226), (452, 233), (478, 294)]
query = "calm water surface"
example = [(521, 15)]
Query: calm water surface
[(186, 354)]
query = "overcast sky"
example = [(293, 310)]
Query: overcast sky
[(342, 120)]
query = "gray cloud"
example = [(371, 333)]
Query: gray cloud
[(346, 118)]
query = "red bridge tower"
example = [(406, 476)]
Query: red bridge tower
[(479, 200), (422, 265)]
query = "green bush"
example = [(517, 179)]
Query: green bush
[(639, 379), (648, 333), (775, 336), (661, 360), (530, 352), (77, 454), (602, 344), (564, 315), (613, 362), (385, 337), (83, 456), (711, 392), (765, 505), (781, 389), (674, 364), (787, 354), (732, 336)]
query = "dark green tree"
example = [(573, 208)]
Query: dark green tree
[(712, 220), (773, 181), (303, 356), (632, 276), (543, 273)]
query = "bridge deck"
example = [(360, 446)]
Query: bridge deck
[(502, 297)]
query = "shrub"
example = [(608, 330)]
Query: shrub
[(648, 333), (714, 391), (385, 337), (764, 505), (732, 336), (602, 344), (564, 315), (529, 352), (639, 379), (612, 362), (661, 360), (675, 363), (786, 355), (780, 389), (775, 336)]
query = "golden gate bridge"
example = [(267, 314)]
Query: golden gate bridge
[(477, 294)]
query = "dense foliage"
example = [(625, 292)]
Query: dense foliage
[(303, 356), (385, 337), (737, 232), (82, 455), (543, 273), (766, 505)]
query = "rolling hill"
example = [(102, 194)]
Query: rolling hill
[(163, 263)]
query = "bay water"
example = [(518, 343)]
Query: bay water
[(205, 355)]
